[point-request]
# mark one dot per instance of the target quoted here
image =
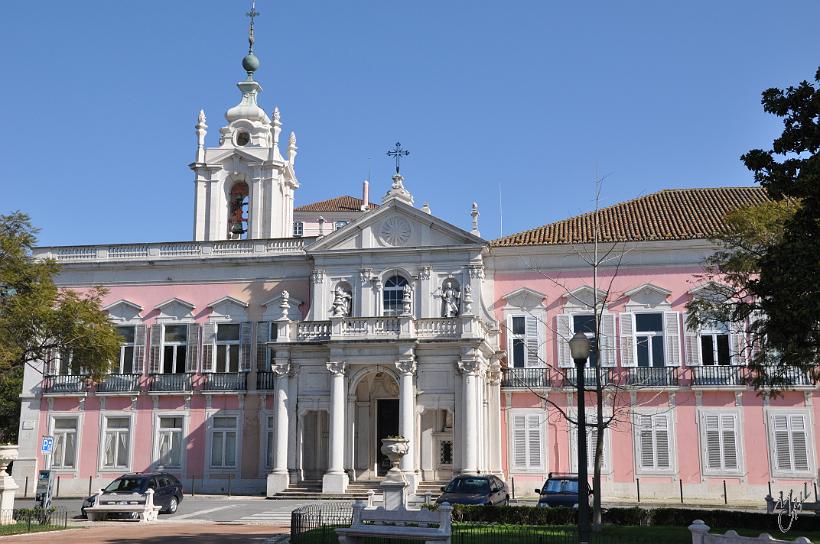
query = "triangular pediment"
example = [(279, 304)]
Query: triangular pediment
[(525, 298), (585, 297), (648, 294), (247, 155), (175, 308), (395, 225), (273, 309), (228, 308), (712, 290), (123, 310)]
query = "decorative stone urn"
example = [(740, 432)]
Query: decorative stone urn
[(395, 448), (8, 453)]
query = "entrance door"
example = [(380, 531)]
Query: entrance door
[(387, 424)]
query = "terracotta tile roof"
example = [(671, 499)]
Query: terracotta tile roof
[(671, 214), (339, 204)]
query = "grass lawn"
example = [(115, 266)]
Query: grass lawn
[(532, 534), (22, 528)]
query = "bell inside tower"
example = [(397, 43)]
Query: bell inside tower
[(238, 212)]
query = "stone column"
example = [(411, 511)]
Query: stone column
[(407, 418), (335, 480), (278, 480), (494, 434), (469, 423)]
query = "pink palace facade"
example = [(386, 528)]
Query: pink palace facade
[(274, 350)]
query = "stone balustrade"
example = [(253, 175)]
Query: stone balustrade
[(390, 328)]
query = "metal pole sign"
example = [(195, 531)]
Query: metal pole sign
[(44, 477), (47, 445)]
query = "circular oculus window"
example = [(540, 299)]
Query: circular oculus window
[(243, 138)]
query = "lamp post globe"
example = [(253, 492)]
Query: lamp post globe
[(579, 347)]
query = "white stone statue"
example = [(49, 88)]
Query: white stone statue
[(406, 300), (342, 302), (450, 299), (468, 299)]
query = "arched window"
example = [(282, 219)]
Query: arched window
[(238, 212), (393, 294)]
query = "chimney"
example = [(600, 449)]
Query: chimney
[(365, 196)]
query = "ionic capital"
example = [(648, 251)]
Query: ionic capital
[(280, 368), (337, 369), (469, 366), (406, 366)]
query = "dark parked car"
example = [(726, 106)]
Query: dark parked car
[(487, 490), (559, 490), (131, 488)]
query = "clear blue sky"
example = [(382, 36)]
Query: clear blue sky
[(99, 98)]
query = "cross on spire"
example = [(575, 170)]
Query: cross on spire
[(252, 13), (398, 153)]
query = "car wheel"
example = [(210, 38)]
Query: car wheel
[(172, 506), (506, 501)]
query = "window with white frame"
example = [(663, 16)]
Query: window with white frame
[(269, 443), (522, 340), (790, 443), (393, 295), (169, 441), (298, 229), (592, 440), (227, 347), (714, 345), (64, 431), (653, 444), (126, 363), (649, 339), (223, 442), (526, 440), (719, 435), (116, 441), (175, 348), (585, 323)]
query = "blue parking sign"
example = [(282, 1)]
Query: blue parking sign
[(47, 445)]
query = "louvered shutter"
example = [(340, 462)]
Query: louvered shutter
[(262, 337), (592, 443), (520, 441), (713, 454), (208, 338), (531, 341), (155, 357), (245, 344), (192, 348), (729, 441), (663, 453), (51, 364), (606, 349), (534, 440), (691, 341), (628, 356), (799, 443), (737, 341), (671, 337), (646, 442), (780, 423), (139, 350), (562, 337)]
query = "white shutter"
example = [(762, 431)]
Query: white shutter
[(192, 341), (646, 442), (534, 440), (671, 332), (712, 452), (138, 364), (729, 439), (799, 443), (662, 450), (628, 356), (245, 345), (692, 347), (531, 342), (519, 441), (592, 442), (155, 366), (606, 335), (262, 337), (780, 432), (208, 338), (563, 334), (737, 343)]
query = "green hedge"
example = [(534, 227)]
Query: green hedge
[(679, 517)]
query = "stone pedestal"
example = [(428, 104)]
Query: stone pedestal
[(277, 482), (334, 483), (8, 487), (395, 490)]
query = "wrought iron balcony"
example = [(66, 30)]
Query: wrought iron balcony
[(119, 383), (716, 376), (67, 383), (590, 377), (525, 378), (789, 376), (649, 377), (163, 383), (265, 380), (233, 381)]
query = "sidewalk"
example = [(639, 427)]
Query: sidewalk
[(156, 533)]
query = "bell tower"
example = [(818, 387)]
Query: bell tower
[(244, 187)]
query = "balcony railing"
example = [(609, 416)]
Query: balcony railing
[(648, 377), (788, 376), (440, 327), (119, 383), (265, 380), (313, 331), (716, 376), (171, 382), (69, 383), (233, 381), (590, 377), (525, 378)]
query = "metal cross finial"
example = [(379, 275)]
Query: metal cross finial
[(252, 13), (398, 153)]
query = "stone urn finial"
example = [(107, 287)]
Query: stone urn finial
[(395, 447), (8, 453)]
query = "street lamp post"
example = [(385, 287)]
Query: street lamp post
[(579, 349)]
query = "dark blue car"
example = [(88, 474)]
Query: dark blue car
[(559, 490), (483, 489)]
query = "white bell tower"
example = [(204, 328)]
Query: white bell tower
[(244, 188)]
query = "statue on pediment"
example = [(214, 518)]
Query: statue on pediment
[(450, 299), (342, 302)]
